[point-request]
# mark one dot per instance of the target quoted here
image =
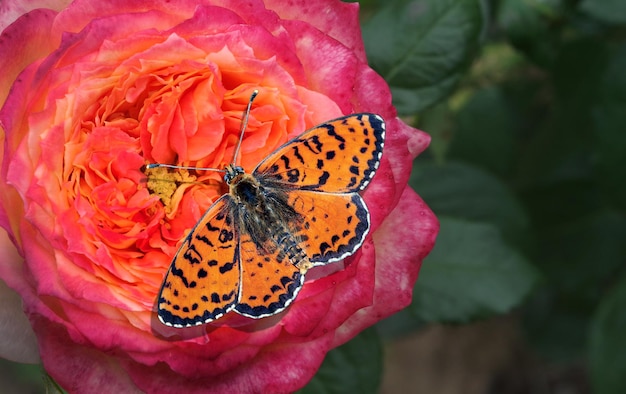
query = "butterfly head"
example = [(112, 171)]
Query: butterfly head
[(232, 172)]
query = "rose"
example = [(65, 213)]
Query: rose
[(94, 90)]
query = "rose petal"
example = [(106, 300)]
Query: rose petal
[(27, 42), (338, 20), (92, 371), (413, 225), (12, 10), (277, 369)]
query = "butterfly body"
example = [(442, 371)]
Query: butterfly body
[(263, 212), (297, 209)]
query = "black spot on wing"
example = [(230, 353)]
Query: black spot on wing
[(293, 175), (179, 273), (227, 267), (291, 287), (313, 144), (348, 241), (229, 296), (192, 256)]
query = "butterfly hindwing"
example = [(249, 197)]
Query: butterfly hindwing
[(203, 282), (334, 227), (269, 279), (338, 156)]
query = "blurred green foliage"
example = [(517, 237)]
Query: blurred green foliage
[(526, 103), (354, 367), (22, 378)]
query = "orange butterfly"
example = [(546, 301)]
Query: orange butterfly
[(299, 208)]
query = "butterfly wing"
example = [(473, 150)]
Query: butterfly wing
[(339, 156), (334, 227), (219, 268), (269, 281), (321, 172), (203, 282)]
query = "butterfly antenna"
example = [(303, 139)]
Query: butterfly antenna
[(244, 124), (156, 165)]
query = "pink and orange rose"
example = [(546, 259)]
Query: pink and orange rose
[(91, 91)]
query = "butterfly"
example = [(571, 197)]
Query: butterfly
[(298, 208)]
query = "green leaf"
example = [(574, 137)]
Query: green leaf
[(24, 378), (609, 11), (552, 204), (575, 248), (558, 155), (422, 47), (486, 127), (527, 25), (577, 259), (354, 367), (399, 324), (610, 163), (471, 273), (555, 331), (608, 120), (462, 191), (607, 343)]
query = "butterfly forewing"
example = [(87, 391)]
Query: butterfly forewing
[(338, 156), (203, 281)]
